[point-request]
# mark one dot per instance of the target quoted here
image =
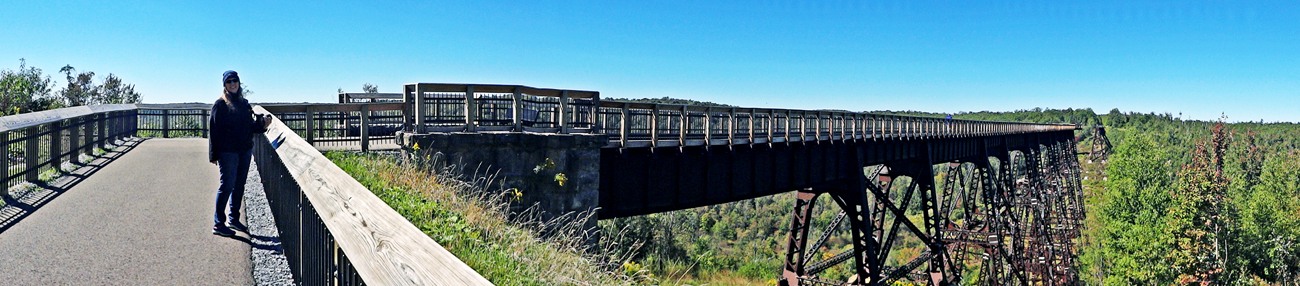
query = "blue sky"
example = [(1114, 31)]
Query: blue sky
[(1198, 58)]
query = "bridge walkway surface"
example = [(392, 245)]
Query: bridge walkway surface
[(144, 218)]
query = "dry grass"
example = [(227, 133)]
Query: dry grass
[(472, 220)]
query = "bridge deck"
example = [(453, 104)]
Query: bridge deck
[(144, 219)]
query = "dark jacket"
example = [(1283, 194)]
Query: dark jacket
[(232, 127)]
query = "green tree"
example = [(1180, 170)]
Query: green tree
[(369, 88), (1199, 216), (81, 88), (25, 90), (113, 91), (1134, 245), (1270, 222)]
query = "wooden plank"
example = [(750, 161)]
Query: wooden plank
[(20, 121), (383, 246)]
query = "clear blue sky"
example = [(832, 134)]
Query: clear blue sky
[(1200, 58)]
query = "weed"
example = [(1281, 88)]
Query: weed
[(473, 221)]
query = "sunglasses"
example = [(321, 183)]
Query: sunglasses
[(233, 80)]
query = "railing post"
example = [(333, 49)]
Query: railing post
[(681, 138), (517, 99), (787, 125), (206, 117), (803, 129), (32, 156), (365, 128), (88, 145), (309, 123), (101, 137), (562, 119), (731, 127), (751, 126), (415, 98), (708, 126), (471, 109), (654, 125), (167, 125), (56, 146), (74, 139), (623, 126), (598, 120), (771, 125), (4, 165)]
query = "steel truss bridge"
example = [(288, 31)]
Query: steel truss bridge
[(995, 201)]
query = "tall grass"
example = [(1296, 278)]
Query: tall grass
[(472, 220)]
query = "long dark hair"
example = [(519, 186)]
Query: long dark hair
[(226, 96)]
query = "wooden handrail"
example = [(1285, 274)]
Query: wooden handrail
[(383, 247)]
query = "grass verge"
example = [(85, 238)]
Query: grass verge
[(473, 222)]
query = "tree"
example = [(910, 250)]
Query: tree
[(1199, 215), (25, 90), (369, 88), (81, 88), (113, 91)]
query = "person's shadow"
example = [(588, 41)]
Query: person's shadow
[(260, 242), (18, 208)]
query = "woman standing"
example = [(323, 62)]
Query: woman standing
[(232, 126)]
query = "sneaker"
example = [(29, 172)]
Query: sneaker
[(235, 225), (222, 231)]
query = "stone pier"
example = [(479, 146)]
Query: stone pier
[(559, 173)]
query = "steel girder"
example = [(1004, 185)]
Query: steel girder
[(1002, 217)]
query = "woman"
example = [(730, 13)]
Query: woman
[(232, 126)]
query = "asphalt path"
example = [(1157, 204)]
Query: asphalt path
[(145, 218)]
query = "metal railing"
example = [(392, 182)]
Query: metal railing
[(38, 144), (445, 108), (345, 97), (172, 120), (338, 126), (632, 124), (326, 125)]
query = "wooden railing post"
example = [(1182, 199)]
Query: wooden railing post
[(365, 128), (708, 126), (751, 126), (471, 109), (562, 117), (598, 120), (771, 124), (654, 125), (731, 126), (681, 138), (623, 125), (517, 100)]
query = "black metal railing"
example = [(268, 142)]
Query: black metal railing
[(326, 125), (38, 144), (438, 107)]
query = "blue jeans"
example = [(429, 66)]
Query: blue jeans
[(234, 173)]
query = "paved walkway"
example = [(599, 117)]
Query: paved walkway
[(143, 219)]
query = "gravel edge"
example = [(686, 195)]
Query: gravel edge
[(270, 266)]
